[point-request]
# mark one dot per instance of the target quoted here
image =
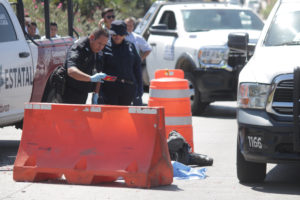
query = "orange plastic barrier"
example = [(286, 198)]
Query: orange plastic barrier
[(170, 90), (90, 144)]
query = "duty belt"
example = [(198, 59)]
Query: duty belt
[(122, 80)]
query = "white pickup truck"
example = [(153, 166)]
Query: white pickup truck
[(268, 95), (193, 37), (25, 65)]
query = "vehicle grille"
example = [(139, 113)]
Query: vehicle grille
[(282, 102), (286, 83), (283, 95)]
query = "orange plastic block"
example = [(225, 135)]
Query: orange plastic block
[(91, 144)]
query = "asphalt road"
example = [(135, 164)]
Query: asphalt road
[(214, 135)]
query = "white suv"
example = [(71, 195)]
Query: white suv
[(193, 37), (267, 132)]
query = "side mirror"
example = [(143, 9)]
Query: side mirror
[(238, 41), (162, 29)]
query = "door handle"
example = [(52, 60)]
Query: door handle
[(23, 54), (153, 44)]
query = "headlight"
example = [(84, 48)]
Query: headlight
[(212, 55), (253, 95)]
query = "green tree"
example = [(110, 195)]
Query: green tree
[(266, 12), (124, 8), (86, 13)]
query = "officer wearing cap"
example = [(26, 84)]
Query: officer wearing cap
[(120, 59), (80, 63)]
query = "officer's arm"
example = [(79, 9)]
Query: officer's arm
[(75, 73), (144, 47), (97, 88), (74, 59), (144, 55)]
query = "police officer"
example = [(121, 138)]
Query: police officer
[(81, 62), (120, 59), (142, 47)]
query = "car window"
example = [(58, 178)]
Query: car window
[(212, 19), (146, 20), (285, 29), (7, 31), (168, 18)]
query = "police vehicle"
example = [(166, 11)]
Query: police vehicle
[(193, 36), (25, 64), (268, 95)]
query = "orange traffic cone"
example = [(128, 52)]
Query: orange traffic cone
[(170, 90)]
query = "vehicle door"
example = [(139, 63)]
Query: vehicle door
[(16, 69), (163, 44)]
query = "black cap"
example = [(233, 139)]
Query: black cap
[(118, 27)]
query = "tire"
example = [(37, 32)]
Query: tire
[(197, 106), (249, 172), (53, 97), (19, 125)]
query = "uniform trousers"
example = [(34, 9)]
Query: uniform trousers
[(74, 96), (115, 93)]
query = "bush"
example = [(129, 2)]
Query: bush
[(86, 13), (266, 12), (82, 24)]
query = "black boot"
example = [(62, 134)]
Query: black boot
[(175, 141), (200, 159), (180, 151), (178, 147)]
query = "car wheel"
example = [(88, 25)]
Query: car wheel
[(197, 106), (249, 172), (53, 97), (19, 125)]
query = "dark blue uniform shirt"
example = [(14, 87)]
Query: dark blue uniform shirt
[(124, 62), (81, 56)]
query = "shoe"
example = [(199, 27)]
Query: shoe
[(183, 155), (200, 160)]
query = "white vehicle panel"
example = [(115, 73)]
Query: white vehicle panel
[(269, 62), (16, 71), (162, 55)]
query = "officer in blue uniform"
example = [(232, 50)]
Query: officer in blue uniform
[(120, 59), (81, 61)]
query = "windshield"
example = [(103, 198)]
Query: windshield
[(285, 29), (213, 19)]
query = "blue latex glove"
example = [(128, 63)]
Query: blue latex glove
[(97, 77), (95, 98)]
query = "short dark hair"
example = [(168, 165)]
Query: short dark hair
[(106, 10), (97, 32), (33, 24), (130, 19), (53, 24)]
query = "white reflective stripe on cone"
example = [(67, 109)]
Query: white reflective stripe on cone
[(170, 93), (173, 121)]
